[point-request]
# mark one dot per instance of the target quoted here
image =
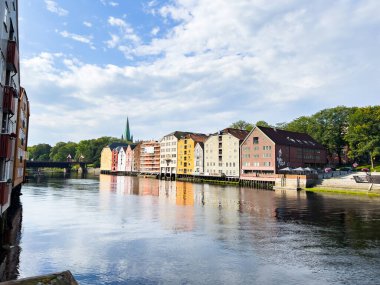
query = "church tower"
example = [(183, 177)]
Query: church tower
[(127, 135)]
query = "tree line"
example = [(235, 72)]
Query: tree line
[(85, 150), (355, 130)]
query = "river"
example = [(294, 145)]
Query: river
[(130, 230)]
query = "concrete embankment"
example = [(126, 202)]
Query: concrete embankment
[(62, 278), (346, 184)]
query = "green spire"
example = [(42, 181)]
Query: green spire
[(128, 132)]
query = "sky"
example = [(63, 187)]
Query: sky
[(191, 65)]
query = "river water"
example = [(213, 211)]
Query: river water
[(130, 230)]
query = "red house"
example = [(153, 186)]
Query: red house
[(115, 154), (268, 150)]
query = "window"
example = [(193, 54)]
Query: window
[(256, 164), (267, 147), (256, 148), (255, 140), (267, 155), (266, 163)]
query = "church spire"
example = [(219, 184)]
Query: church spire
[(128, 132)]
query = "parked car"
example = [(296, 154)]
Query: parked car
[(365, 169), (328, 170)]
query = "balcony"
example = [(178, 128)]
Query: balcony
[(12, 56), (8, 100), (5, 146)]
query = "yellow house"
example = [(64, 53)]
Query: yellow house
[(185, 156), (106, 159)]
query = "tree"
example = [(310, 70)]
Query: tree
[(242, 125), (263, 124), (91, 149), (330, 127), (301, 125), (39, 152), (363, 133), (61, 150)]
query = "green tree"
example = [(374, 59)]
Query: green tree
[(242, 125), (91, 149), (61, 150), (363, 133), (263, 124), (329, 127), (39, 152), (301, 125)]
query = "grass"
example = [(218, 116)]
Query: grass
[(376, 167), (343, 191)]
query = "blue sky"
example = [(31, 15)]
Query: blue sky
[(192, 65)]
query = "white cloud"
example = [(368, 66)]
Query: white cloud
[(87, 24), (78, 38), (53, 7), (110, 3), (155, 31), (126, 40), (221, 61)]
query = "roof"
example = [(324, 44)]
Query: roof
[(201, 144), (237, 133), (197, 137), (112, 146), (178, 134), (133, 146), (283, 137)]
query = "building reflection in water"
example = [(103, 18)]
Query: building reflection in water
[(180, 202), (10, 251)]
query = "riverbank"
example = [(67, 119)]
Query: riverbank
[(62, 278), (346, 184)]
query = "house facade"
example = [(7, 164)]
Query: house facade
[(199, 158), (168, 153), (115, 156), (222, 152), (108, 162), (9, 99), (150, 157), (121, 159), (129, 158), (268, 150), (22, 127), (136, 157), (186, 153)]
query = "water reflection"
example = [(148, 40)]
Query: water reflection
[(145, 231), (10, 252)]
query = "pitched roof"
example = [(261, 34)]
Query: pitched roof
[(178, 134), (133, 146), (197, 137), (283, 137), (112, 146), (237, 133)]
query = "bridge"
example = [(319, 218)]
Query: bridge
[(55, 164)]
